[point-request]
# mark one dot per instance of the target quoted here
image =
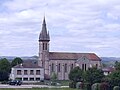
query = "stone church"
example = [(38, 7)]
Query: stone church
[(48, 63), (60, 62)]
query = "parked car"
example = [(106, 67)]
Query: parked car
[(15, 82)]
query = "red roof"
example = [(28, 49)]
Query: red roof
[(28, 64), (72, 56)]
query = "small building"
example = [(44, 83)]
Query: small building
[(27, 71), (108, 70)]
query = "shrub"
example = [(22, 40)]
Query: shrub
[(96, 86), (4, 82), (104, 86), (116, 88), (81, 85), (88, 86), (72, 84), (78, 85)]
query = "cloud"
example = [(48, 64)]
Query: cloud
[(86, 26)]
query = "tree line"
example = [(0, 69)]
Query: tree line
[(94, 76), (5, 67)]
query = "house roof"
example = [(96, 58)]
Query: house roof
[(28, 64), (72, 56), (108, 69)]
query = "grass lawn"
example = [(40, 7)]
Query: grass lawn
[(40, 89), (64, 82)]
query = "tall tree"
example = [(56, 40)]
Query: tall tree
[(4, 69), (5, 65), (76, 74), (93, 75), (4, 76), (16, 61)]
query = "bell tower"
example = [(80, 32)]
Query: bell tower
[(44, 39)]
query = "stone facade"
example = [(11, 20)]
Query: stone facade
[(61, 63)]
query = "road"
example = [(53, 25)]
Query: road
[(29, 86)]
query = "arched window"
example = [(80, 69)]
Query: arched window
[(52, 67), (71, 66), (82, 66), (43, 46), (59, 67), (65, 67), (85, 67), (96, 65)]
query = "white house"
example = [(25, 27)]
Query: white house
[(28, 71)]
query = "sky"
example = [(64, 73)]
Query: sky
[(82, 26)]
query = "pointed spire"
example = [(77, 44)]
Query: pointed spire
[(44, 36), (44, 22), (48, 36)]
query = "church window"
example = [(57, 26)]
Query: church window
[(85, 67), (59, 67), (37, 72), (43, 46), (19, 72), (65, 67), (52, 67), (82, 66), (96, 65), (71, 66), (84, 58)]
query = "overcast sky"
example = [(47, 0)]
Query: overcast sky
[(74, 25)]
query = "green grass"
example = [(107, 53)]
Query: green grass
[(64, 82), (39, 89)]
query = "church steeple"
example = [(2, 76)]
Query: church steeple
[(44, 35), (44, 39)]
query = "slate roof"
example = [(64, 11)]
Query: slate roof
[(28, 64), (44, 35), (72, 56)]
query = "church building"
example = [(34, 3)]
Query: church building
[(48, 62)]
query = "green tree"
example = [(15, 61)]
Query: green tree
[(115, 78), (4, 69), (93, 75), (117, 65), (4, 76), (16, 61), (5, 65), (76, 74), (54, 76)]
